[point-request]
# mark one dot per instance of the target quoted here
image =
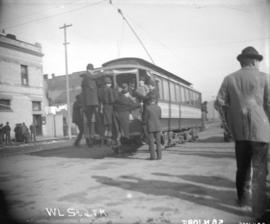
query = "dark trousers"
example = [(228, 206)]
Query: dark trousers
[(90, 112), (79, 136), (251, 157), (154, 136), (7, 137)]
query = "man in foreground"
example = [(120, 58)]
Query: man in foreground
[(244, 103)]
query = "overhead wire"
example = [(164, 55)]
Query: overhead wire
[(55, 15), (121, 39), (133, 31)]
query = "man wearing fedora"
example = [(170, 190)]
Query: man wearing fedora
[(244, 102)]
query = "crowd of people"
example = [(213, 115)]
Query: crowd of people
[(107, 110), (22, 133)]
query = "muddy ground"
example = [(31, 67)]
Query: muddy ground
[(193, 183)]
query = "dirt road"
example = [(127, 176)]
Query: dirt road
[(193, 183)]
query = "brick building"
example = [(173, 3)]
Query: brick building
[(21, 83)]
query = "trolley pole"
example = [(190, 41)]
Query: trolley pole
[(67, 79)]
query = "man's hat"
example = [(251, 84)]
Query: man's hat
[(90, 67), (107, 80), (249, 52), (151, 82)]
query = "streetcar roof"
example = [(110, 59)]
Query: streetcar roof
[(138, 62)]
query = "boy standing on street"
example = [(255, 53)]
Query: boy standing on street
[(152, 118)]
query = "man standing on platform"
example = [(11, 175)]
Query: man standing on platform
[(90, 101), (107, 98), (244, 103), (152, 120)]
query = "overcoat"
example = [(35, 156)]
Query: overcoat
[(244, 100), (152, 118), (122, 107), (89, 91), (77, 116), (107, 97)]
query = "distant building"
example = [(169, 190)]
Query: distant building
[(55, 88), (21, 83)]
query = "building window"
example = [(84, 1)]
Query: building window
[(5, 105), (24, 75), (36, 105)]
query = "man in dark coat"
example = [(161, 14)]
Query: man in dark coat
[(90, 100), (122, 107), (33, 131), (244, 103), (152, 119), (107, 98), (7, 130), (77, 118), (151, 95)]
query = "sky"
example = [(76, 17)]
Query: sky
[(197, 40)]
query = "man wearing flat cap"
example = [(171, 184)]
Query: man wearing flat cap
[(244, 103)]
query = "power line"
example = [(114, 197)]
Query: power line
[(134, 32), (57, 14)]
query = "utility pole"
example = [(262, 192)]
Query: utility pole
[(67, 79)]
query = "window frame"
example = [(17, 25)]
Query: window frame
[(24, 75), (8, 108), (39, 106), (166, 94), (178, 93), (172, 91), (160, 87)]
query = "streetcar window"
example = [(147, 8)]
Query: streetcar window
[(182, 93), (165, 89), (172, 92), (128, 78), (189, 101), (159, 85), (186, 96), (197, 99), (178, 96)]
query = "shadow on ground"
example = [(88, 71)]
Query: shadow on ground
[(206, 195), (205, 153), (213, 139), (82, 152), (215, 181)]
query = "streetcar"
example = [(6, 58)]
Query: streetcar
[(181, 116)]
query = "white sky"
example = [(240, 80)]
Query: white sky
[(198, 40)]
